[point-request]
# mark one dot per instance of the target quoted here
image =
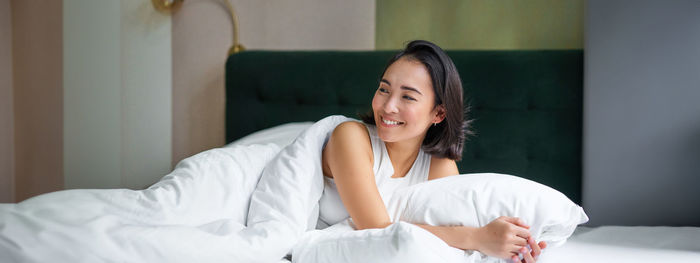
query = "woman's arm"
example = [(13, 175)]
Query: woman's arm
[(504, 237), (462, 237), (348, 155), (501, 238)]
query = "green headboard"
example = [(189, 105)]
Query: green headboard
[(527, 105)]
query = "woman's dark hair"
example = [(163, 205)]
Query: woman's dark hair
[(446, 139)]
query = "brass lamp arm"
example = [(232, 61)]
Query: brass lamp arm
[(170, 6), (236, 47)]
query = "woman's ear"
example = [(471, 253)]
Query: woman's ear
[(439, 114)]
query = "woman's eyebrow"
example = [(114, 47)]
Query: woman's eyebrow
[(411, 89), (402, 87)]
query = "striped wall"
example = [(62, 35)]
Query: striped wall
[(115, 95), (87, 103)]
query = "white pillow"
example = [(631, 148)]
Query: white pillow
[(477, 199), (281, 135), (469, 199)]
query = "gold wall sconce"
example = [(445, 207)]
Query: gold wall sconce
[(171, 6)]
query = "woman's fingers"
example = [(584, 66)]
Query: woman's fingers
[(520, 241), (527, 257), (516, 221), (535, 247), (522, 232), (515, 249), (519, 222)]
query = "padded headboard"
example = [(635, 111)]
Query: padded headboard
[(527, 105)]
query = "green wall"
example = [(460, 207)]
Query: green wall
[(481, 24)]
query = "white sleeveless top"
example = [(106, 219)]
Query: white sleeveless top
[(331, 208)]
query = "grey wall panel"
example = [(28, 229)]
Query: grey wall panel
[(642, 112)]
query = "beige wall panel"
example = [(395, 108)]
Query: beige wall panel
[(201, 34), (307, 24), (38, 96), (7, 148)]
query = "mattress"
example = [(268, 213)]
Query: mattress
[(622, 244), (628, 244)]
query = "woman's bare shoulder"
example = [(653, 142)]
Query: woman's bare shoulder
[(351, 135), (351, 128), (442, 167), (347, 146)]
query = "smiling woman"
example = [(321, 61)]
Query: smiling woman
[(421, 67), (415, 132)]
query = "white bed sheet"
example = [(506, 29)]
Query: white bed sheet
[(628, 244)]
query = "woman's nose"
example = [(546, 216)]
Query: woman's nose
[(390, 106)]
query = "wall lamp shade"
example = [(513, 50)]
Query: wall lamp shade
[(171, 6)]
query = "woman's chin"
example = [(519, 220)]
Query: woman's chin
[(386, 137)]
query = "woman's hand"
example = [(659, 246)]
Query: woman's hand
[(504, 237)]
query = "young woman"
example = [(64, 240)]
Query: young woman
[(414, 133)]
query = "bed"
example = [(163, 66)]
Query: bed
[(256, 199), (527, 107)]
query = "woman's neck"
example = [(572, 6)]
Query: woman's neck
[(403, 154)]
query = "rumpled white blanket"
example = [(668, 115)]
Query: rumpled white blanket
[(197, 213), (193, 214)]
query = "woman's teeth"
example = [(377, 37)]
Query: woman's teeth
[(391, 122)]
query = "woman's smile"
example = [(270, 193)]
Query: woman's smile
[(390, 123)]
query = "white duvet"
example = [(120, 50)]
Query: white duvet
[(255, 203), (234, 204), (191, 215)]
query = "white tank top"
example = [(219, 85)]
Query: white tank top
[(331, 208)]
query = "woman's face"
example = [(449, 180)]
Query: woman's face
[(404, 104)]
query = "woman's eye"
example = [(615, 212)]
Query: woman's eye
[(383, 90), (408, 97)]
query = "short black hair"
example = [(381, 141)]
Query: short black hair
[(446, 139)]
